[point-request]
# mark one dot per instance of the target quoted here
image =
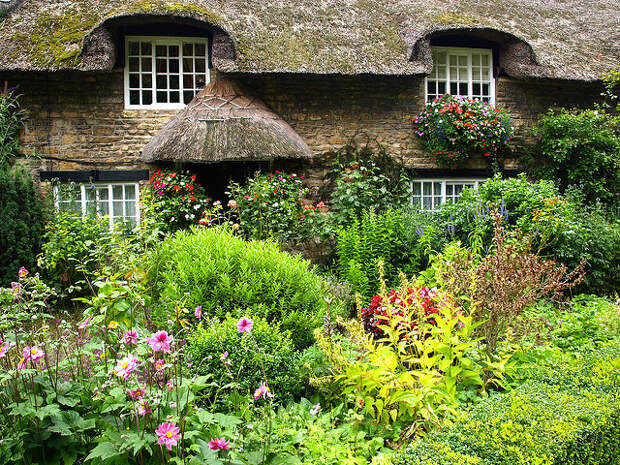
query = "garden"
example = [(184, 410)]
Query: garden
[(485, 331)]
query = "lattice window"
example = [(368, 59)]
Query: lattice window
[(164, 72), (429, 194)]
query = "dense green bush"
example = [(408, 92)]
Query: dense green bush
[(223, 273), (268, 347), (74, 248), (22, 220), (580, 148), (570, 415), (398, 238), (11, 121), (565, 229)]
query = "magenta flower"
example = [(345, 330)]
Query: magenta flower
[(198, 312), (144, 408), (22, 273), (169, 385), (218, 444), (125, 367), (244, 325), (4, 348), (160, 341), (159, 365), (168, 435), (262, 391), (130, 337), (224, 355), (84, 324), (136, 394), (36, 354)]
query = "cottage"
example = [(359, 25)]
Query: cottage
[(115, 88)]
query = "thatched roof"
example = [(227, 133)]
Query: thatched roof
[(224, 123), (565, 39)]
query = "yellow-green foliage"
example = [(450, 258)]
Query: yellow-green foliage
[(570, 415)]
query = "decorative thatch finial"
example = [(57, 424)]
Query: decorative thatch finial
[(223, 123)]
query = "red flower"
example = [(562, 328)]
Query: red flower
[(176, 188), (487, 154), (190, 187), (193, 178), (172, 175), (192, 198)]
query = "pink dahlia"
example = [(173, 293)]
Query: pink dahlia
[(168, 435), (244, 325), (218, 444), (160, 341), (130, 337)]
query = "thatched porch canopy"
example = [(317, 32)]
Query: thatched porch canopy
[(224, 123)]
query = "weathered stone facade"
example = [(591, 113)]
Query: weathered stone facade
[(77, 121)]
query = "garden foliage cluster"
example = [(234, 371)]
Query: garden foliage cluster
[(485, 332)]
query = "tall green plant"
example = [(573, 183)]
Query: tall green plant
[(11, 121), (22, 218)]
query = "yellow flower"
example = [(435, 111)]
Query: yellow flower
[(112, 324)]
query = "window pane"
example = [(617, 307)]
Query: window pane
[(130, 192), (427, 203), (117, 192), (173, 66), (453, 88), (162, 97), (475, 59), (103, 208), (449, 189), (201, 81), (147, 81), (188, 49), (188, 95), (475, 74), (416, 188), (134, 64), (462, 61), (174, 82), (160, 51), (476, 89), (130, 208), (441, 72), (147, 97), (162, 82), (174, 97), (134, 48), (117, 209), (146, 48), (441, 88), (432, 87), (463, 89), (201, 50), (162, 66), (437, 188), (188, 65), (200, 65), (147, 64), (173, 51), (134, 81), (426, 187), (134, 97)]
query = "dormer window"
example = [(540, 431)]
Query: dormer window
[(164, 72), (459, 71)]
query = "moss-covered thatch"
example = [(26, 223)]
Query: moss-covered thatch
[(565, 39), (224, 123)]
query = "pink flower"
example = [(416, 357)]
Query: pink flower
[(144, 408), (3, 348), (262, 391), (136, 394), (173, 405), (84, 324), (125, 367), (159, 365), (16, 288), (23, 272), (36, 354), (320, 205), (198, 312), (224, 356), (169, 385), (160, 341), (168, 435), (218, 444), (232, 204), (315, 409), (130, 337), (244, 325)]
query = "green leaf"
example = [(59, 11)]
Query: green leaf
[(103, 451)]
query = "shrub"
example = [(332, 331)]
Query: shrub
[(501, 284), (22, 219), (269, 348), (11, 121), (569, 416), (75, 248), (580, 148), (454, 128), (400, 239), (223, 273), (273, 205), (173, 201), (562, 228)]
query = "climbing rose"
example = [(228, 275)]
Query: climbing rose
[(218, 444), (244, 325), (168, 435), (160, 341)]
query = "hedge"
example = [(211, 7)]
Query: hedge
[(565, 416)]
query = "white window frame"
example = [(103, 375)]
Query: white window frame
[(83, 199), (463, 51), (163, 40), (443, 195)]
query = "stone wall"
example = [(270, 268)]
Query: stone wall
[(78, 121)]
